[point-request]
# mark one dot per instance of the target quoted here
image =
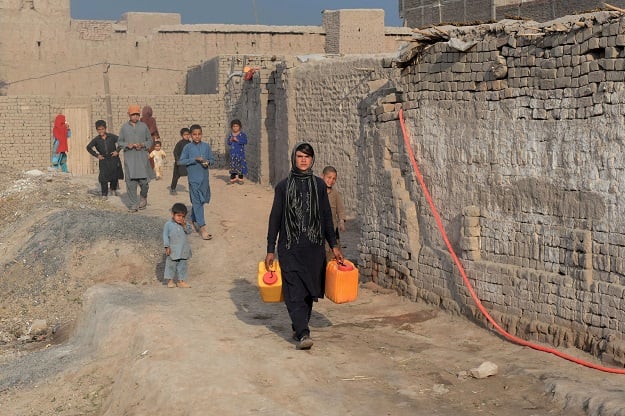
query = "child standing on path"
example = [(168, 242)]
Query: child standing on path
[(61, 132), (336, 205), (158, 155), (197, 156), (236, 146), (134, 138), (104, 148), (179, 170), (177, 248)]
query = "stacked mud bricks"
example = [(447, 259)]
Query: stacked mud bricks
[(520, 141), (423, 13)]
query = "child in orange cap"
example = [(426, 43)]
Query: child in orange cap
[(135, 140)]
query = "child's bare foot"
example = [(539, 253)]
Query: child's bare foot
[(183, 284), (170, 283), (205, 235)]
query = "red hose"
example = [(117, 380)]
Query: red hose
[(467, 283)]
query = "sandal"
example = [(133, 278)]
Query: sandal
[(171, 284), (183, 284)]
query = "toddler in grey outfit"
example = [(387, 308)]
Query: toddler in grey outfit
[(177, 248)]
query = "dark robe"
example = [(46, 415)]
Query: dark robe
[(180, 169), (110, 166), (303, 263)]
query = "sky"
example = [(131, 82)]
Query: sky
[(264, 12)]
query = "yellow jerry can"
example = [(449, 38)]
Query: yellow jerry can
[(270, 282)]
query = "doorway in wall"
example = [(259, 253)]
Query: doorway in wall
[(79, 161)]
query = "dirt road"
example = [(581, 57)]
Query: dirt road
[(140, 348)]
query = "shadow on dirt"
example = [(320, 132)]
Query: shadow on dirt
[(253, 311), (223, 178)]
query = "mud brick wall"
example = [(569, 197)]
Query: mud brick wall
[(25, 131), (520, 142), (422, 13), (249, 101), (321, 100), (45, 52), (27, 121), (544, 10), (354, 31)]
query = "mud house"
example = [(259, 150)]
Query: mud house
[(188, 73)]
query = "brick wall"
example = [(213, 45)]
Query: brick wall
[(26, 125), (519, 140), (423, 13), (544, 10), (241, 99), (25, 131), (321, 101)]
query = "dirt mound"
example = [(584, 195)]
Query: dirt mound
[(58, 241)]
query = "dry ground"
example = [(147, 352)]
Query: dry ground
[(120, 343)]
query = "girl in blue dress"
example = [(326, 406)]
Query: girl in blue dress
[(236, 146)]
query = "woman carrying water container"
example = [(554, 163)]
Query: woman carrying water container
[(302, 218)]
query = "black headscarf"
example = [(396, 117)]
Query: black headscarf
[(302, 201)]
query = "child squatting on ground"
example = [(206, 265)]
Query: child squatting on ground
[(177, 248)]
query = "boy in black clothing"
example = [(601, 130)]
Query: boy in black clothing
[(179, 171), (104, 148)]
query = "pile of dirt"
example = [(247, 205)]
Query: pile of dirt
[(56, 240)]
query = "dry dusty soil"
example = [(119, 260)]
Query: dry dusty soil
[(116, 341)]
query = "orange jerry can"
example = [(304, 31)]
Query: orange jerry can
[(341, 281), (270, 282)]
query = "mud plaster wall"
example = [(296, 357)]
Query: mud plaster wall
[(27, 121), (246, 97), (526, 168), (324, 97)]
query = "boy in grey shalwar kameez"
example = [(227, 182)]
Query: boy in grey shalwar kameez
[(135, 140)]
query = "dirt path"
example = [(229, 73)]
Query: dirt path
[(141, 348)]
